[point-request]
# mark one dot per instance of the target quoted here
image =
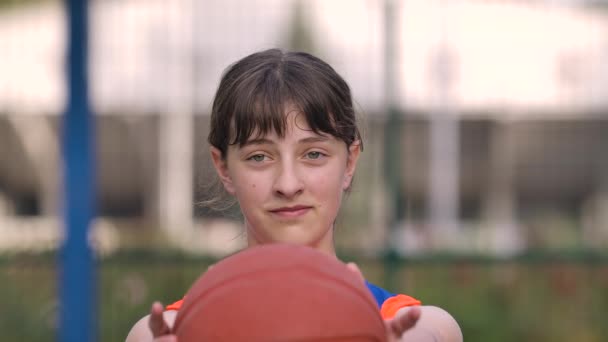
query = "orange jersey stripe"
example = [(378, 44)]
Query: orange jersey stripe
[(392, 305), (175, 306)]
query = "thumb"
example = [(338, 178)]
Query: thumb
[(401, 323), (355, 269), (157, 323)]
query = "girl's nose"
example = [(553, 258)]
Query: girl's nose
[(288, 182)]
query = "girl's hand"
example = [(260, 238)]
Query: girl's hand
[(395, 327), (159, 327)]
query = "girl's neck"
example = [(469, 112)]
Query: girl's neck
[(324, 245)]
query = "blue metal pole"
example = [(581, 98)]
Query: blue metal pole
[(392, 144), (77, 266)]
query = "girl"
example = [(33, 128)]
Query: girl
[(285, 143)]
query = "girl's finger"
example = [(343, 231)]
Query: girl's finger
[(157, 323)]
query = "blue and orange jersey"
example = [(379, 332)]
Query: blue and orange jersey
[(388, 303)]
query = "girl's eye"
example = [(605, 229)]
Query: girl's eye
[(257, 158), (314, 155)]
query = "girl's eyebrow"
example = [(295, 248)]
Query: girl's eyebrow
[(258, 141), (307, 140), (318, 138)]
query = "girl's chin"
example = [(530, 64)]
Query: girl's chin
[(299, 233)]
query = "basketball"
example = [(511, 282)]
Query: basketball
[(279, 292)]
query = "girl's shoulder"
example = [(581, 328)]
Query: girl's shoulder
[(380, 294)]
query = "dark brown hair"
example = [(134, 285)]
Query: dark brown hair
[(255, 91)]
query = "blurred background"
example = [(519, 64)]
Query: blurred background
[(483, 187)]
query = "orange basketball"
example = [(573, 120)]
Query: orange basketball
[(279, 292)]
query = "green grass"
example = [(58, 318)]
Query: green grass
[(6, 4), (492, 301)]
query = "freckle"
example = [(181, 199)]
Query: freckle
[(253, 185)]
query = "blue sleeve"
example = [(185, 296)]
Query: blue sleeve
[(379, 293)]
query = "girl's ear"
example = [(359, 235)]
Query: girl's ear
[(354, 150), (221, 167)]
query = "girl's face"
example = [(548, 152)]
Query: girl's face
[(289, 189)]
